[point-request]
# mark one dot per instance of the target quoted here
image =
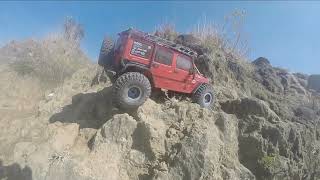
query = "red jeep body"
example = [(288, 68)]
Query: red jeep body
[(168, 67)]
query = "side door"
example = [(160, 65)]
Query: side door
[(138, 50), (184, 79), (162, 69)]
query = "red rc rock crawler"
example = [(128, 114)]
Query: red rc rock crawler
[(138, 62)]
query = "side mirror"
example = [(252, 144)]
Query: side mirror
[(191, 71)]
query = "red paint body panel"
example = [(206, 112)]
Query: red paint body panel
[(127, 53), (164, 76)]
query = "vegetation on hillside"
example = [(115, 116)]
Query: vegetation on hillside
[(52, 59)]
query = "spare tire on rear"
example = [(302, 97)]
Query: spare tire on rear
[(106, 53)]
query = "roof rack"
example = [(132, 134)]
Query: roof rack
[(163, 42)]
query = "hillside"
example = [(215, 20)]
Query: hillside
[(61, 124)]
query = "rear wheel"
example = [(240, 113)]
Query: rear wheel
[(131, 90), (106, 53), (204, 96)]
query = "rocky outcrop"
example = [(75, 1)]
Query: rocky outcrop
[(271, 147), (277, 80), (163, 143), (176, 141), (314, 82), (44, 155)]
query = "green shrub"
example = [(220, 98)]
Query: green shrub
[(269, 161), (22, 67)]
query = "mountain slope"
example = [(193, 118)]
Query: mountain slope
[(265, 125)]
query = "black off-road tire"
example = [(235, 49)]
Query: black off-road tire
[(124, 84), (202, 94), (106, 53)]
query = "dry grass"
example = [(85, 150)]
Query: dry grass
[(32, 67), (166, 31), (227, 39), (218, 39), (18, 93), (209, 36), (52, 59)]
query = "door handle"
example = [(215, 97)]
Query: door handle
[(173, 71), (155, 65)]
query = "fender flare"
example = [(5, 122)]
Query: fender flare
[(125, 65), (142, 68), (196, 89)]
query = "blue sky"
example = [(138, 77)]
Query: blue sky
[(287, 33)]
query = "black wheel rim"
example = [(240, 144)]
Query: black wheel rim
[(207, 98), (134, 92)]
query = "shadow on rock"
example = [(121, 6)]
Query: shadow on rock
[(15, 172), (90, 110)]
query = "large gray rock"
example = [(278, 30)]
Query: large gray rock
[(262, 62), (110, 150), (314, 82), (281, 148), (118, 130), (249, 106), (278, 80), (203, 145), (180, 141), (128, 146), (272, 79)]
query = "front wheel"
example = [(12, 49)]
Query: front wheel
[(204, 96), (131, 90)]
